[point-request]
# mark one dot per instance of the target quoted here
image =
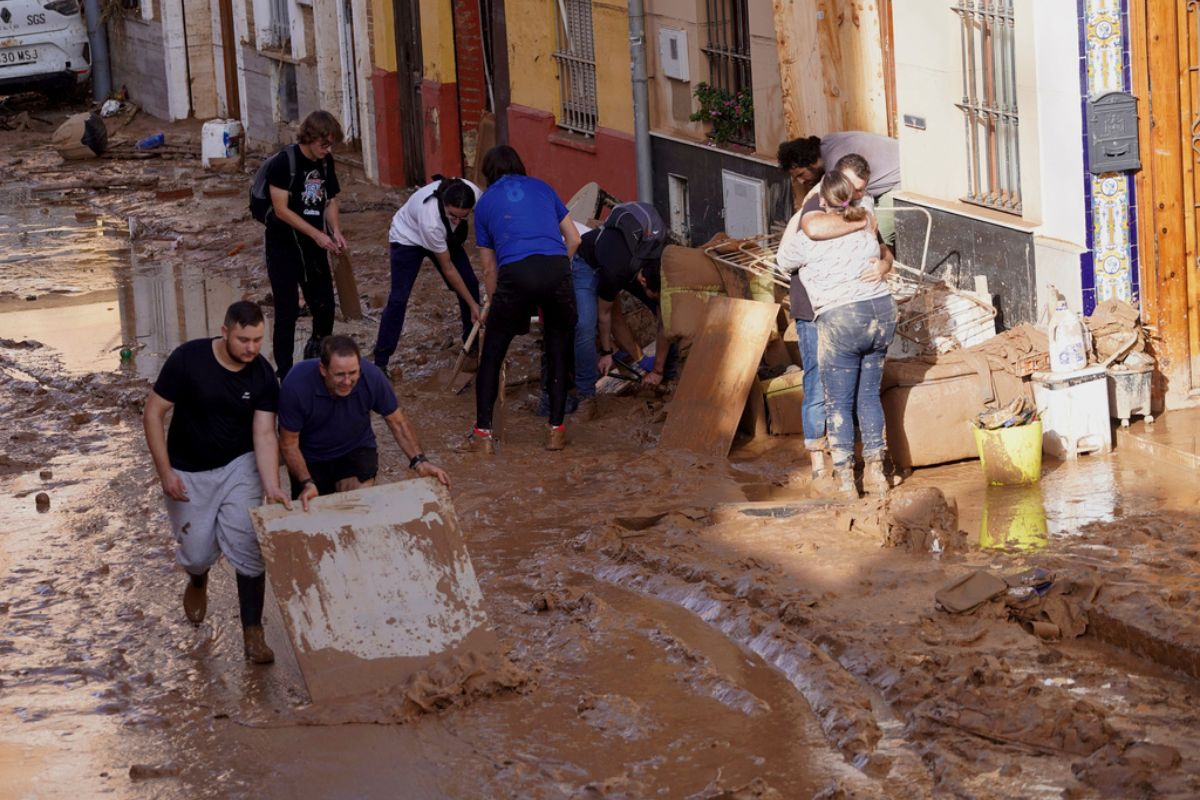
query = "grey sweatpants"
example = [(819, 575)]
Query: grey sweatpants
[(216, 518)]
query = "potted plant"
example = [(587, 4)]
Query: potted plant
[(730, 114)]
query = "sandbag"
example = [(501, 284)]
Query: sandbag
[(81, 136)]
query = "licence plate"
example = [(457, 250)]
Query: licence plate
[(27, 55)]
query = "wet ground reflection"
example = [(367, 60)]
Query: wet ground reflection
[(125, 310)]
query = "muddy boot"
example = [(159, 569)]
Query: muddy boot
[(479, 441), (820, 464), (844, 482), (586, 410), (255, 645), (195, 598), (874, 481), (556, 437)]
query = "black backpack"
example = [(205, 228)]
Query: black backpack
[(261, 207), (642, 228)]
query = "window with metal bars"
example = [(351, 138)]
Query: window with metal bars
[(989, 103), (728, 51), (279, 31), (576, 57)]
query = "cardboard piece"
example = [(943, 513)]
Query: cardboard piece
[(718, 375), (373, 585), (347, 287)]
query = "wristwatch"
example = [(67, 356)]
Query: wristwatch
[(417, 459), (604, 352), (307, 481)]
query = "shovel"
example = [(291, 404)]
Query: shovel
[(462, 355)]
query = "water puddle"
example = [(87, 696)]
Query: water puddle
[(74, 284)]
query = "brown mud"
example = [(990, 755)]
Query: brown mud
[(676, 625)]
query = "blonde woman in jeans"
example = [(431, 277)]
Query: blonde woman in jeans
[(856, 320)]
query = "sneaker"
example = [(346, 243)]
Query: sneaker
[(556, 437), (254, 645), (195, 602), (479, 441)]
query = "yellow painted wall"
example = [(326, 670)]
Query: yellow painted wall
[(383, 36), (614, 81), (437, 40), (532, 74)]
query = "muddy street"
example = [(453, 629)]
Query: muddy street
[(675, 626)]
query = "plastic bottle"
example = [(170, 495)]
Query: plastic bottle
[(151, 142), (1068, 342)]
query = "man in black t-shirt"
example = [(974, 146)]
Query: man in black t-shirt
[(604, 266), (302, 231), (220, 457)]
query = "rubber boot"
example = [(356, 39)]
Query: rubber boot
[(844, 486), (254, 643), (195, 597), (874, 481), (820, 464)]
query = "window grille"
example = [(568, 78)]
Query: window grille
[(279, 30), (576, 59), (989, 103), (728, 51)]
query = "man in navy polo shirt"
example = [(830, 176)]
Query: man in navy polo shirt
[(325, 430)]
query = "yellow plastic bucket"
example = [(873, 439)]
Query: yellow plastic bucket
[(1011, 456)]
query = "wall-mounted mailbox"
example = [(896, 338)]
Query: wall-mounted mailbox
[(1113, 133)]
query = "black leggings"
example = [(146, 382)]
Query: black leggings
[(295, 262), (521, 289)]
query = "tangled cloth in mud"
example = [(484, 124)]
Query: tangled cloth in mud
[(1061, 611), (1112, 325)]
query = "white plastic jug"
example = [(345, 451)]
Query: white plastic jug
[(220, 138), (1068, 340)]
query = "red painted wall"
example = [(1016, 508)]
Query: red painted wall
[(468, 58), (567, 161), (443, 136), (389, 142)]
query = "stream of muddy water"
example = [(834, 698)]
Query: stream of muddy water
[(683, 627)]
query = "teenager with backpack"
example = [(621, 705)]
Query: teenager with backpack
[(431, 224), (623, 254), (302, 229)]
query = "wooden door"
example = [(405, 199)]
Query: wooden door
[(1165, 57)]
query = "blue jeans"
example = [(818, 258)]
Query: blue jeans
[(812, 413), (853, 343), (585, 280), (406, 263)]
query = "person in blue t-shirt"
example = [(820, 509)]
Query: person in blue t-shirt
[(526, 241), (325, 430)]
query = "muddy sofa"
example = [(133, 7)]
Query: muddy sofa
[(928, 406)]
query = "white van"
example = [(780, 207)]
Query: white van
[(43, 41)]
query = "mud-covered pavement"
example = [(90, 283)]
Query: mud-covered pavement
[(678, 627)]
